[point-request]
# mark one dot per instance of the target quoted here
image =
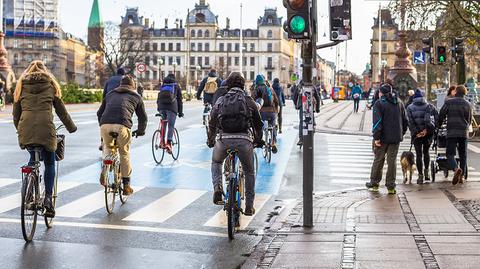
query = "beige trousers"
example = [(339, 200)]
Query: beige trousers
[(123, 141)]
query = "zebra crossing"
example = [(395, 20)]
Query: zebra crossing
[(87, 209), (347, 160)]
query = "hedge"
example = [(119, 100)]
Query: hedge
[(72, 94)]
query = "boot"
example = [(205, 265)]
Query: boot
[(426, 174), (371, 186), (249, 210), (127, 190), (48, 205), (218, 194), (420, 179), (457, 176)]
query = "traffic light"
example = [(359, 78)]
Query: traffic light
[(458, 50), (441, 54), (298, 20), (429, 44)]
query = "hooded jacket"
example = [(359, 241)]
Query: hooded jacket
[(257, 94), (279, 91), (177, 105), (208, 98), (32, 113), (390, 121), (118, 108), (357, 90), (417, 112), (458, 114)]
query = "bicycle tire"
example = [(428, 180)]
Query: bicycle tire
[(255, 159), (269, 148), (265, 147), (110, 188), (123, 198), (156, 148), (29, 186), (49, 221), (175, 145), (231, 206)]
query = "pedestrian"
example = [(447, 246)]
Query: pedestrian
[(37, 93), (390, 124), (356, 95), (457, 112), (113, 82), (281, 99), (452, 91), (410, 94), (422, 118)]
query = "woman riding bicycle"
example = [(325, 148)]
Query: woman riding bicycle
[(265, 96), (36, 93), (169, 105)]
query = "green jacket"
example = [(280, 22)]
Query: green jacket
[(32, 114)]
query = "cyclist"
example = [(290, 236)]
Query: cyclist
[(281, 98), (264, 95), (36, 93), (209, 86), (235, 118), (169, 105), (113, 82), (115, 115)]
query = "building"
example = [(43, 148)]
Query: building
[(191, 50), (325, 73)]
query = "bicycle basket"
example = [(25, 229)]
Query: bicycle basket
[(60, 152)]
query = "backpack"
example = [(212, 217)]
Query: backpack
[(167, 94), (266, 94), (211, 85), (234, 115), (430, 119)]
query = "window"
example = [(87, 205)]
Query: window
[(155, 75), (192, 60), (192, 33), (15, 44), (192, 46), (252, 46), (269, 34), (200, 33), (45, 44), (147, 60), (269, 62), (130, 45), (221, 61), (179, 47), (384, 35), (162, 60), (252, 75), (244, 62), (147, 74), (155, 47), (170, 46), (147, 46), (229, 47), (207, 61), (269, 75), (384, 48), (162, 47), (155, 60), (178, 61), (199, 61), (229, 61), (207, 33), (269, 47), (237, 47), (170, 60), (252, 61), (207, 46), (45, 59), (222, 46), (237, 61), (199, 17), (200, 47)]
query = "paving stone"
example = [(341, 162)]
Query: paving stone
[(311, 247), (458, 262), (382, 228), (322, 260), (330, 237), (389, 254), (390, 264), (378, 241), (453, 239), (455, 248)]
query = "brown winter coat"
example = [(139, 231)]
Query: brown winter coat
[(32, 113)]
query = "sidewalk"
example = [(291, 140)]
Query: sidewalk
[(338, 118), (423, 226)]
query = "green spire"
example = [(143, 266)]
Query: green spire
[(95, 17)]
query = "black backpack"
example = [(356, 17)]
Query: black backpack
[(167, 94), (431, 117), (234, 115)]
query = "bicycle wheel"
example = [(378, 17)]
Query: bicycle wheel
[(175, 145), (157, 150), (49, 221), (231, 209), (255, 162), (110, 187), (265, 147), (268, 156), (30, 197), (123, 198)]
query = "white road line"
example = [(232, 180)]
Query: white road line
[(13, 201), (220, 219), (8, 181), (126, 228), (166, 207), (474, 148), (87, 122)]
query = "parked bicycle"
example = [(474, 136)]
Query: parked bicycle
[(33, 192), (206, 116), (159, 141), (111, 174), (268, 136)]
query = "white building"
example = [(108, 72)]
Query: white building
[(201, 45)]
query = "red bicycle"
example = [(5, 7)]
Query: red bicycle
[(159, 141)]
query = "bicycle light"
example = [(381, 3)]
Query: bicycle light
[(108, 162), (27, 170)]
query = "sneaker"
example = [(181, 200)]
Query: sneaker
[(371, 186), (249, 210), (168, 147), (420, 179), (392, 191), (48, 205), (218, 195), (274, 149), (427, 175), (127, 190), (457, 176), (279, 131), (300, 143)]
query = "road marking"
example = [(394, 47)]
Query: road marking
[(14, 201), (474, 148), (87, 122), (167, 206), (126, 227), (220, 219), (7, 181)]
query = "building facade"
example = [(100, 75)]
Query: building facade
[(325, 73), (191, 50)]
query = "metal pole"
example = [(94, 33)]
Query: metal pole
[(427, 91), (461, 77), (379, 38), (241, 38), (188, 54)]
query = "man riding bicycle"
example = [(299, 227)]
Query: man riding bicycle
[(234, 120), (36, 93), (169, 105), (209, 86), (115, 115), (268, 99)]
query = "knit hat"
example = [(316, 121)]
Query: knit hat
[(386, 89), (128, 81), (259, 80), (418, 93), (121, 71)]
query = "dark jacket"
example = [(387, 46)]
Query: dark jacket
[(255, 120), (390, 122), (458, 113), (177, 105), (416, 113), (207, 98), (118, 108), (220, 92), (32, 114), (409, 101), (111, 84), (279, 91)]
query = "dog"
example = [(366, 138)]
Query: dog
[(407, 160)]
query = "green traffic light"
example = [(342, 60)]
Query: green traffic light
[(441, 59), (297, 24)]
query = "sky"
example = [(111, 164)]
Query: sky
[(354, 56)]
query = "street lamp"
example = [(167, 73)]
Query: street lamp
[(197, 68), (384, 64), (174, 68), (160, 72)]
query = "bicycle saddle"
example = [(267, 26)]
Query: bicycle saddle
[(34, 147), (113, 134), (158, 115)]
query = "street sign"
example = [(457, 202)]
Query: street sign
[(419, 57), (340, 20), (141, 68)]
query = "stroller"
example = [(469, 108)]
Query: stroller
[(441, 162)]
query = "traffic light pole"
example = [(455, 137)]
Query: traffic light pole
[(461, 77)]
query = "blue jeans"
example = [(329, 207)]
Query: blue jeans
[(453, 144), (271, 118), (49, 165), (171, 117)]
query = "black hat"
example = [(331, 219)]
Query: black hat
[(386, 89)]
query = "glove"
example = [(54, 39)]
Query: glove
[(180, 115), (137, 133), (259, 144), (210, 143)]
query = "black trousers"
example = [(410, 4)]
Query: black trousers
[(422, 152), (454, 143), (279, 118)]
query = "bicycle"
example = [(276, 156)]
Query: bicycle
[(111, 174), (268, 136), (33, 194), (206, 116), (159, 143), (473, 129)]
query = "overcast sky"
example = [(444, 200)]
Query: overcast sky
[(74, 17)]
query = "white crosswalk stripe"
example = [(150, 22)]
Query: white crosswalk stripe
[(7, 181)]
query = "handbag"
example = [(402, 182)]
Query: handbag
[(60, 151)]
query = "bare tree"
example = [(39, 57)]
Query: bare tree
[(123, 46)]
